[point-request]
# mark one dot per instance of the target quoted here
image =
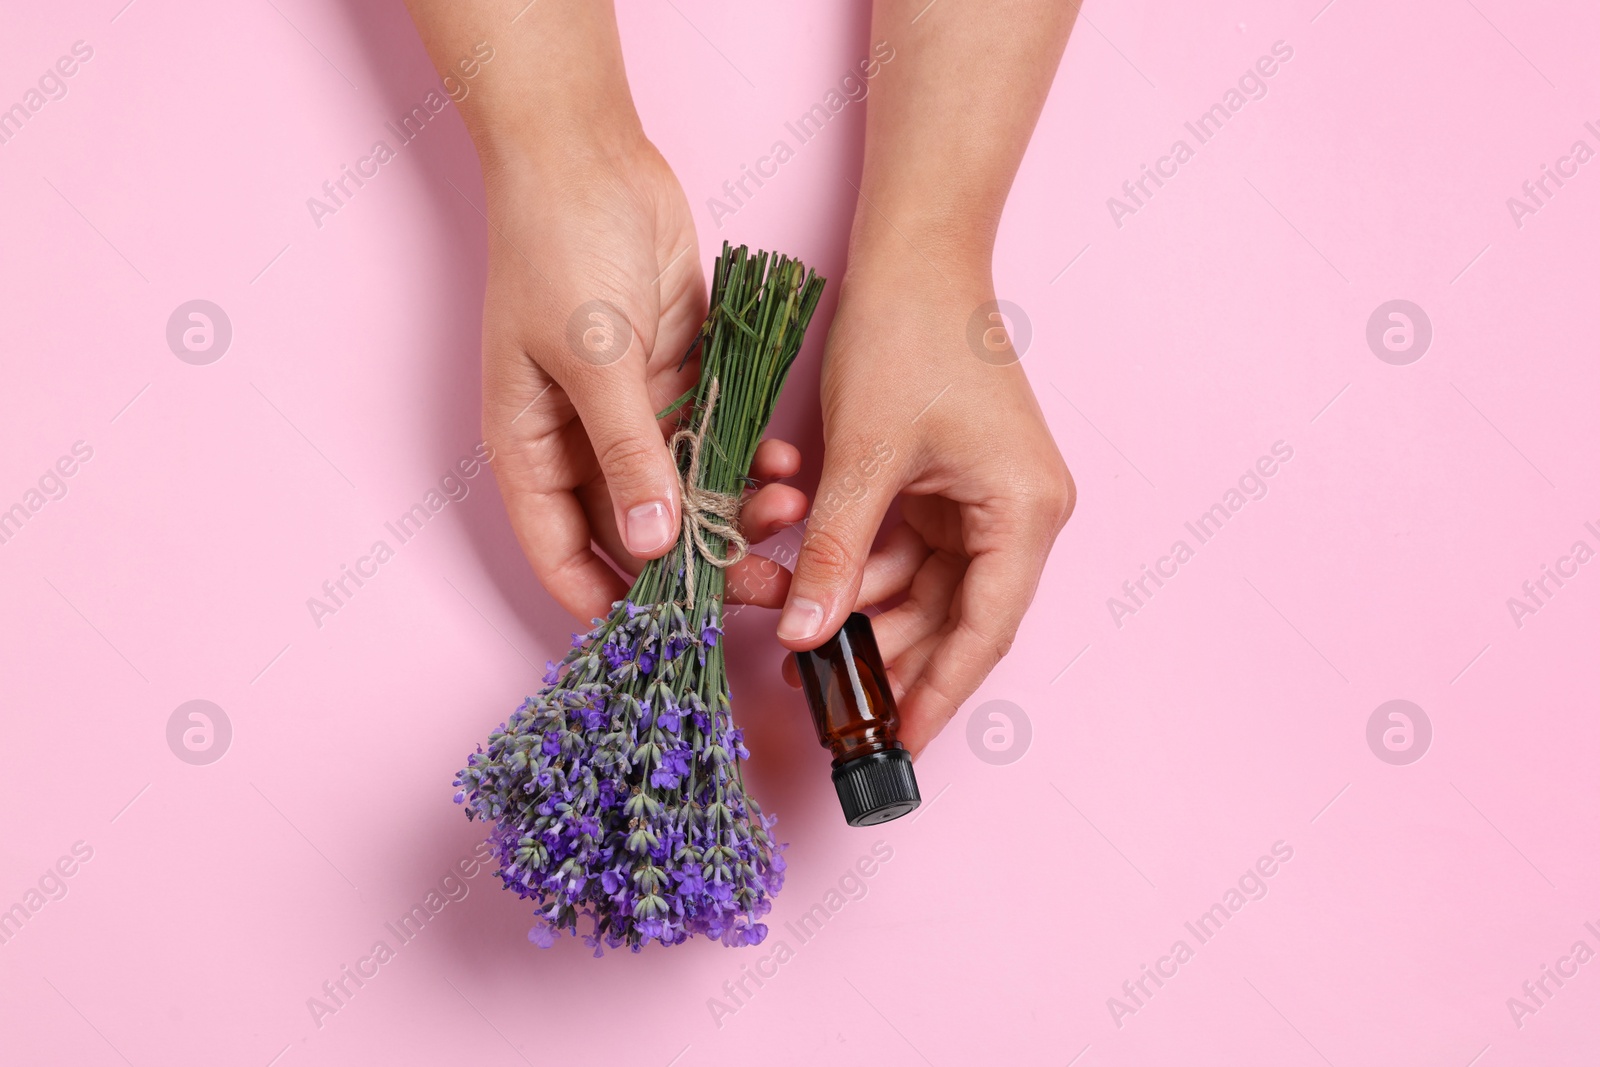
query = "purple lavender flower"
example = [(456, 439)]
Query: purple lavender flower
[(671, 769), (669, 718), (617, 801)]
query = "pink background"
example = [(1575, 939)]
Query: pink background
[(1167, 753)]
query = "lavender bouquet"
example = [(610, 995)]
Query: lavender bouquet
[(616, 792)]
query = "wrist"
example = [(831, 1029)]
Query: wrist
[(938, 258), (558, 138), (899, 241), (561, 94)]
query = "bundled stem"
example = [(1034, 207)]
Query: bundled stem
[(748, 342), (616, 792)]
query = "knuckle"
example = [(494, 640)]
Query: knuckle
[(1049, 494), (500, 443), (965, 664), (627, 457), (555, 570), (1066, 496), (499, 433), (984, 650), (824, 555), (518, 455)]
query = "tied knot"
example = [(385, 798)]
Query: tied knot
[(705, 511)]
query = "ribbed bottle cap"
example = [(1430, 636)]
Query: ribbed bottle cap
[(876, 788)]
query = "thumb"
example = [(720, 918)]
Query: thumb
[(614, 405), (852, 498)]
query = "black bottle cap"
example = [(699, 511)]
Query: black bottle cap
[(876, 788)]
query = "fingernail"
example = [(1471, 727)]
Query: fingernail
[(649, 527), (801, 620)]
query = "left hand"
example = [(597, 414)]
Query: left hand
[(911, 410)]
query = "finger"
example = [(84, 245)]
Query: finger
[(892, 566), (901, 679), (913, 661), (614, 405), (791, 671), (852, 498), (758, 581), (767, 511), (681, 291), (554, 533), (538, 455), (770, 509), (912, 631), (596, 502), (926, 609), (996, 590), (775, 459)]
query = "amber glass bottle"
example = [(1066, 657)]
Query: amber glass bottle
[(855, 716)]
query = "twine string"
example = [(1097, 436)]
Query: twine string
[(706, 511)]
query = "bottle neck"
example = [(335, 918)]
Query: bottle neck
[(862, 740)]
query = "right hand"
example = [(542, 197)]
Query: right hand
[(594, 294)]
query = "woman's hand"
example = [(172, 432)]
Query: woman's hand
[(911, 406), (594, 295), (595, 290), (920, 405)]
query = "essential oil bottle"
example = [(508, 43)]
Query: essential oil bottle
[(854, 712)]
